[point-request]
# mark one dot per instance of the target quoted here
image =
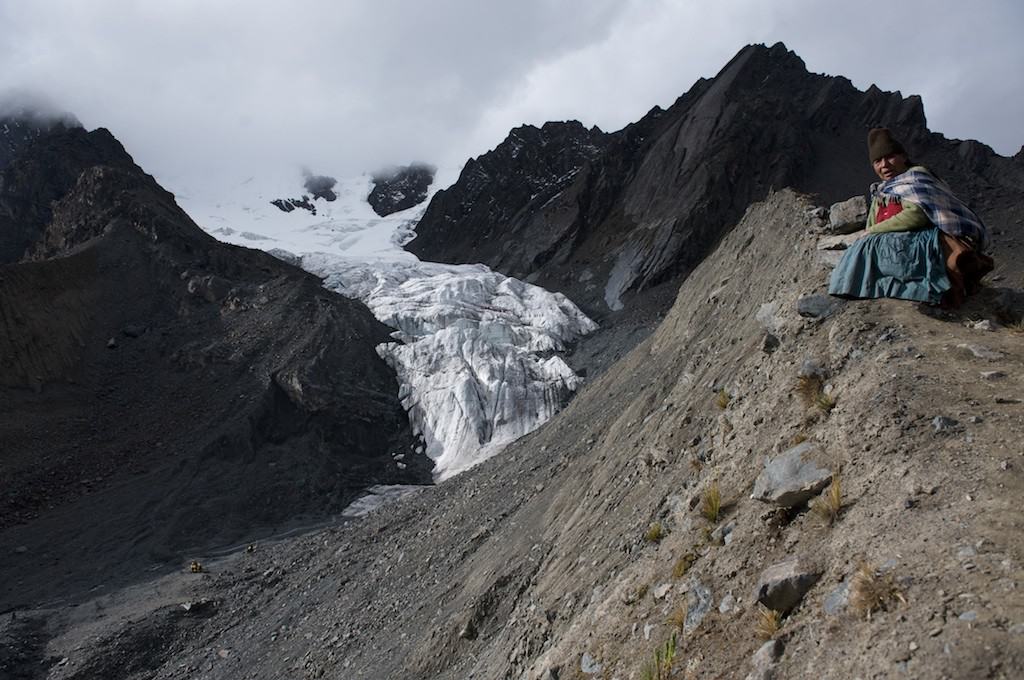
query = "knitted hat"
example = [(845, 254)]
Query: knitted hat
[(881, 143)]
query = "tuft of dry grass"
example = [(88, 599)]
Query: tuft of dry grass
[(677, 619), (811, 390), (655, 533), (722, 399), (798, 438), (871, 590), (711, 502), (683, 565), (768, 622), (1016, 326), (828, 505)]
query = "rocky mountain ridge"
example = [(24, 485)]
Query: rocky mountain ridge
[(162, 391), (620, 213)]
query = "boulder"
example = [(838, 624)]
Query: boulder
[(791, 478), (848, 216), (782, 586), (764, 660), (817, 306)]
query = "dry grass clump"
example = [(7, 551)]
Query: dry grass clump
[(722, 399), (768, 622), (1016, 326), (828, 505), (677, 619), (798, 438), (711, 502), (661, 666), (683, 565), (871, 590), (811, 390), (655, 533)]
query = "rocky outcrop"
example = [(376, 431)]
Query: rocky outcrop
[(397, 189), (601, 217), (162, 391)]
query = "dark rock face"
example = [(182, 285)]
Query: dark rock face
[(604, 216), (398, 189), (18, 130), (289, 204), (162, 392)]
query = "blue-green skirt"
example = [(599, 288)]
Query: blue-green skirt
[(908, 265)]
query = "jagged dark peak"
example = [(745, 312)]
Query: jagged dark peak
[(397, 188), (20, 125), (44, 171)]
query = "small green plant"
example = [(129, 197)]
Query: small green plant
[(683, 565), (641, 591), (655, 533), (768, 622), (660, 668), (722, 399), (711, 502), (828, 505), (872, 590)]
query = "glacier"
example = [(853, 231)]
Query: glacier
[(476, 353)]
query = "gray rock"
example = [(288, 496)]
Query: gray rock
[(982, 352), (782, 586), (1017, 629), (723, 532), (589, 665), (468, 631), (765, 316), (662, 591), (764, 660), (818, 213), (829, 258), (727, 604), (811, 368), (985, 325), (837, 601), (841, 241), (992, 375), (791, 478), (700, 604), (944, 424), (848, 216), (969, 616), (817, 306), (769, 343)]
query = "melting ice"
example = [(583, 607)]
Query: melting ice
[(475, 351)]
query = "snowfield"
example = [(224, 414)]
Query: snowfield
[(475, 352)]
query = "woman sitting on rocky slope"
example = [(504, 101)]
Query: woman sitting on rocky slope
[(922, 242)]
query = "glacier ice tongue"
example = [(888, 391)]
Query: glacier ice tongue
[(474, 352)]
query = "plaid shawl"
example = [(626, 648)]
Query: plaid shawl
[(944, 210)]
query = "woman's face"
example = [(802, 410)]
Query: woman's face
[(889, 166)]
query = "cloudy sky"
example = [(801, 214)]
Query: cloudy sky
[(339, 86)]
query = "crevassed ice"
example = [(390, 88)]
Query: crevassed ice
[(475, 351)]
